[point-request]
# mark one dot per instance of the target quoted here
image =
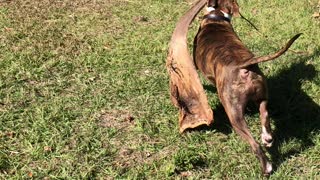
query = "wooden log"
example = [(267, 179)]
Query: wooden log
[(186, 90)]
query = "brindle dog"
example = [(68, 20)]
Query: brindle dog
[(225, 61)]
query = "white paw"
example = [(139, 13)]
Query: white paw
[(266, 139), (268, 169)]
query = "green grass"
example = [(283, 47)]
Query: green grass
[(84, 93)]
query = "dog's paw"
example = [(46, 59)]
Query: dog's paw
[(268, 169), (266, 139)]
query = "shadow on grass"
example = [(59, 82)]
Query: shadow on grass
[(221, 122), (296, 116)]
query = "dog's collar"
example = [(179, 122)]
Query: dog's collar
[(225, 17), (216, 17)]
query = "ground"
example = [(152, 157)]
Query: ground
[(84, 93)]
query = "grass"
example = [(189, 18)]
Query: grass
[(84, 93)]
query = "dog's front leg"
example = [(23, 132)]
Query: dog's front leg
[(266, 135), (235, 112)]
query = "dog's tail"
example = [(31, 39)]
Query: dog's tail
[(186, 90), (256, 60)]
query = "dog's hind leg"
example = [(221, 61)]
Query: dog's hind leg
[(266, 135), (236, 116)]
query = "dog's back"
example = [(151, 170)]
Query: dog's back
[(218, 40)]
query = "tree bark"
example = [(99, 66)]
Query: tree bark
[(186, 90)]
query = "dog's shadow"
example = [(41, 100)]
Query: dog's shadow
[(294, 113)]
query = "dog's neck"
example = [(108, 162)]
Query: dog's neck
[(213, 14)]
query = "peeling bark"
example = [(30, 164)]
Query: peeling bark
[(186, 90)]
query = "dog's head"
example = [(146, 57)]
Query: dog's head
[(228, 6)]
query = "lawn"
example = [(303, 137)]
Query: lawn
[(84, 93)]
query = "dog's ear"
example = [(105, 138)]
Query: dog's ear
[(212, 3), (235, 9)]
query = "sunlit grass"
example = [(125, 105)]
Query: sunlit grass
[(84, 93)]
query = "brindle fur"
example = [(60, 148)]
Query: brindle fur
[(225, 61)]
